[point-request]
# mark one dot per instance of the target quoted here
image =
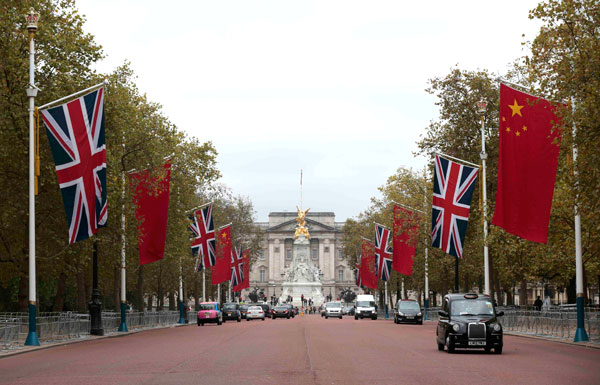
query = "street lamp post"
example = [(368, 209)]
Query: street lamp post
[(481, 107), (32, 338)]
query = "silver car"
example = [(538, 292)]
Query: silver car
[(255, 312), (333, 309)]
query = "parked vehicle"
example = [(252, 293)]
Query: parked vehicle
[(281, 311), (348, 310), (469, 321), (243, 310), (231, 311), (408, 310), (255, 312), (209, 312), (333, 309), (267, 309), (365, 307)]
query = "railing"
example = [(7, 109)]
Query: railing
[(52, 327), (558, 324)]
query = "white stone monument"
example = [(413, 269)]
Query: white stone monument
[(302, 277)]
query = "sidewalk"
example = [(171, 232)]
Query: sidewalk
[(20, 348)]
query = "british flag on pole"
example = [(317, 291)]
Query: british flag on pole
[(203, 232), (76, 134), (237, 262), (383, 252), (453, 185)]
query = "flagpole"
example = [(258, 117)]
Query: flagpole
[(386, 302), (486, 261), (73, 95), (426, 301), (458, 159), (580, 334), (32, 338), (203, 284), (123, 325), (181, 305)]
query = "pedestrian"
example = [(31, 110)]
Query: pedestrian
[(538, 304)]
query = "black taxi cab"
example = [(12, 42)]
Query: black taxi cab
[(469, 321)]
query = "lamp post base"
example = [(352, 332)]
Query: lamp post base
[(95, 307), (32, 337), (123, 324), (580, 334), (426, 307), (181, 313)]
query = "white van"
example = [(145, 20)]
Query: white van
[(365, 307)]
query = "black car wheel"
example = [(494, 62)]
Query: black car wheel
[(219, 322), (263, 319), (224, 320), (498, 350), (450, 345), (239, 319), (487, 349), (440, 347)]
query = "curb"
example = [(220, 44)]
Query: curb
[(94, 338), (590, 345)]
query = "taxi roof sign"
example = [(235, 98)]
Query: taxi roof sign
[(471, 296)]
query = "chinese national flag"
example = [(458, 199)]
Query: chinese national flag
[(220, 271), (405, 234), (367, 265), (528, 157), (246, 271), (151, 199)]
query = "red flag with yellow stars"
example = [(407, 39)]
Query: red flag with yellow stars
[(220, 271), (528, 157)]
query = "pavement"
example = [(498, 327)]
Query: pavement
[(304, 350)]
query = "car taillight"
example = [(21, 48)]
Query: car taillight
[(286, 311)]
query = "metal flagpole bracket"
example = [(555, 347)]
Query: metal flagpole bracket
[(366, 239), (408, 207), (76, 94), (379, 224), (192, 210), (458, 159)]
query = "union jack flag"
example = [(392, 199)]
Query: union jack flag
[(383, 252), (453, 185), (237, 263), (203, 232), (76, 134)]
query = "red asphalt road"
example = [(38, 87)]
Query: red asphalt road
[(304, 350)]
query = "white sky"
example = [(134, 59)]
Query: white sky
[(333, 87)]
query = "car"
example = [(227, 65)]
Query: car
[(348, 310), (209, 312), (281, 311), (243, 310), (295, 308), (469, 321), (322, 310), (255, 312), (231, 311), (267, 309), (293, 311), (365, 307), (408, 310), (333, 309)]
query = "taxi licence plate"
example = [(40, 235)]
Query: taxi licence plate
[(207, 316), (477, 343), (228, 313), (410, 317)]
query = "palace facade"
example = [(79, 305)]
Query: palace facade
[(266, 274)]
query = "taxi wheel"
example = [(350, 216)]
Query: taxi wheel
[(356, 317), (498, 350), (326, 317), (263, 319), (248, 319), (450, 345)]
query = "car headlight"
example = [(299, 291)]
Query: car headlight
[(497, 327), (400, 313), (419, 314), (456, 327)]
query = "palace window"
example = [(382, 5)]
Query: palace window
[(340, 275), (339, 253), (315, 253), (288, 254), (261, 256), (263, 275)]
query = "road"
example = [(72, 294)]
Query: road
[(304, 350)]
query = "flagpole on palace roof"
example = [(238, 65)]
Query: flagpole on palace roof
[(481, 106), (32, 338)]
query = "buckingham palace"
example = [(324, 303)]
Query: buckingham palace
[(267, 272)]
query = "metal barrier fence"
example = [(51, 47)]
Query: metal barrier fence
[(559, 324), (61, 326)]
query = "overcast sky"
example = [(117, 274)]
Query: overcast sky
[(335, 88)]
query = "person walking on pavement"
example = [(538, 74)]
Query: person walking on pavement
[(538, 304)]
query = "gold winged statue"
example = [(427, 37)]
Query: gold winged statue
[(301, 229)]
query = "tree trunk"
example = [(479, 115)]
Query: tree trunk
[(398, 289), (150, 302), (197, 295), (572, 291), (523, 294), (499, 296), (116, 287), (59, 300), (140, 289), (467, 283), (172, 301), (24, 287), (81, 293)]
